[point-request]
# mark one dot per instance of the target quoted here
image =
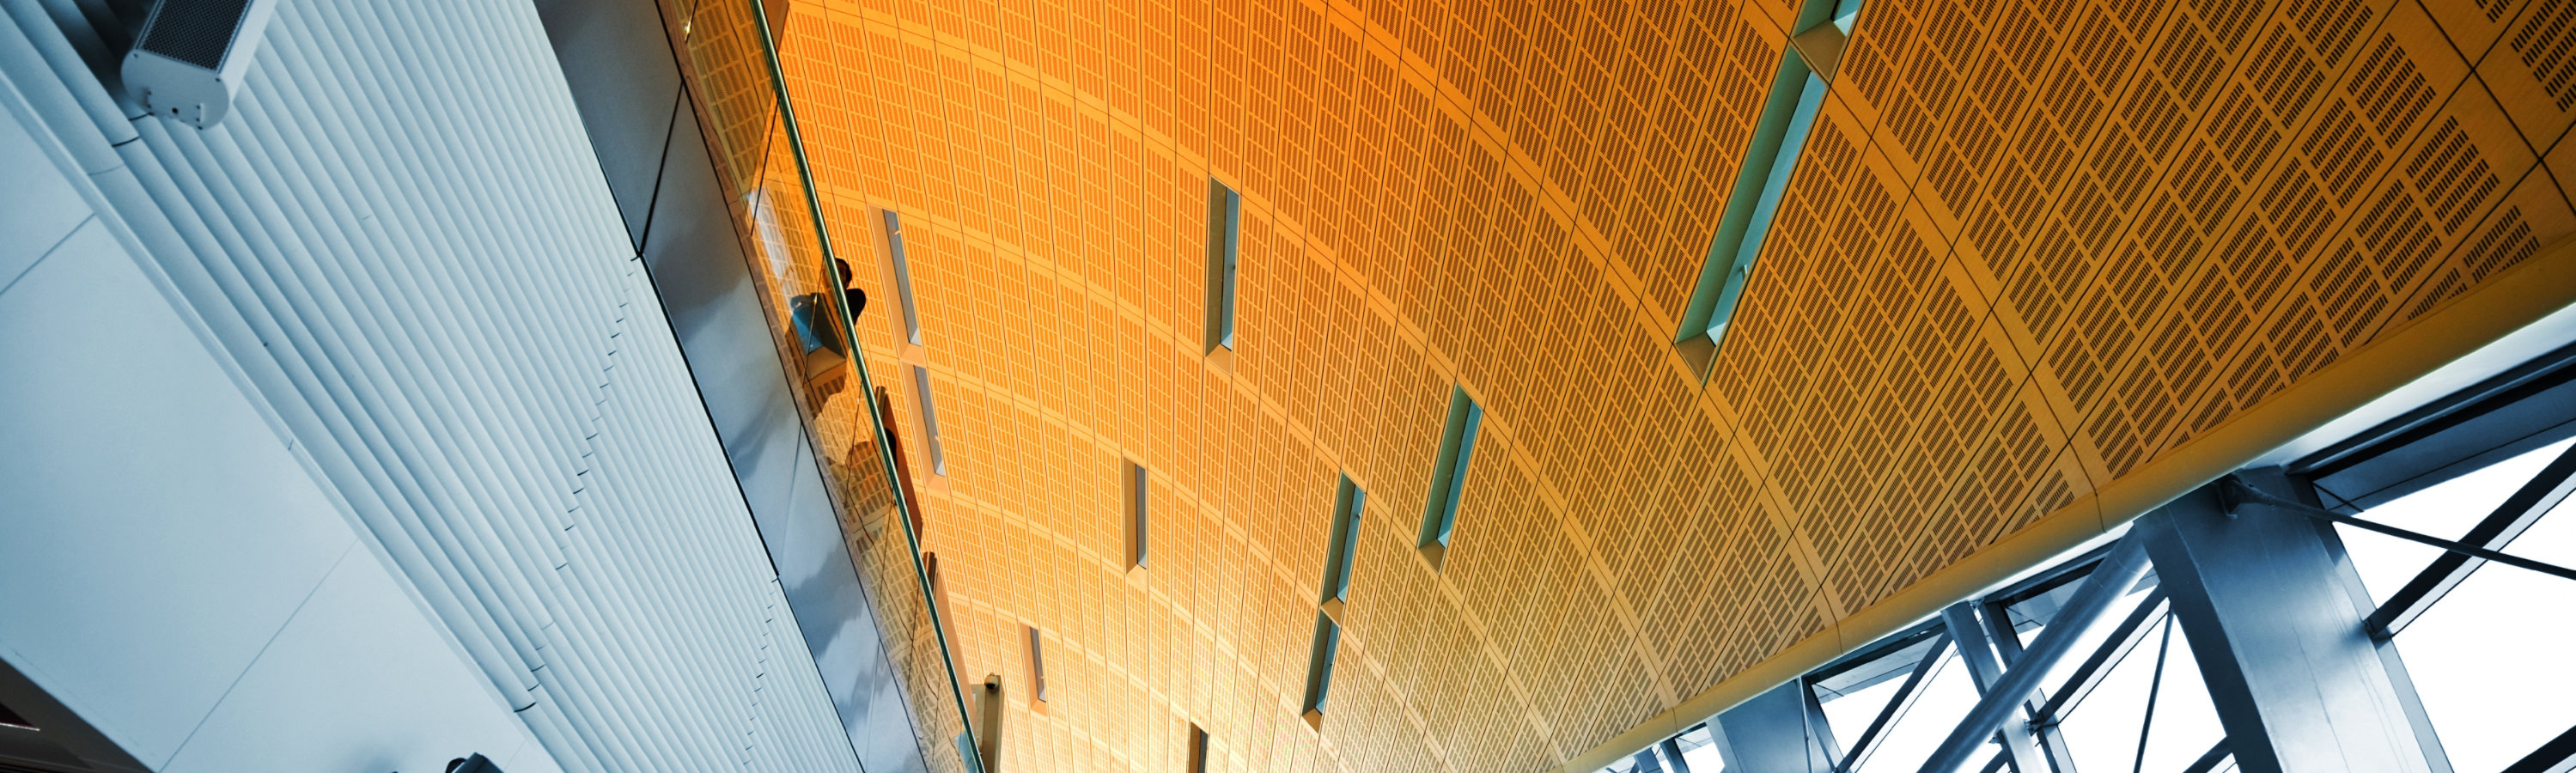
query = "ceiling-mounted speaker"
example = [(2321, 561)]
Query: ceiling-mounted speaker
[(191, 56)]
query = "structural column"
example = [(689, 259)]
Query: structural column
[(2274, 616), (1777, 732)]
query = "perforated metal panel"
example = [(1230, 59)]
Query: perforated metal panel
[(2031, 248)]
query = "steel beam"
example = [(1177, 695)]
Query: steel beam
[(1978, 652), (1775, 732), (2114, 647), (1647, 762), (2274, 618), (1673, 756), (2118, 571), (2527, 407), (2556, 756), (2535, 498), (2259, 499)]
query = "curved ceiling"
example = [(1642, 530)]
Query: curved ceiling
[(2033, 252)]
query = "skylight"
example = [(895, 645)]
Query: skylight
[(1225, 241), (1796, 94), (1449, 474), (929, 420), (902, 266), (1345, 535), (1135, 479), (1319, 670)]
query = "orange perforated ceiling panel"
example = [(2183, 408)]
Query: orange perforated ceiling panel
[(2031, 249)]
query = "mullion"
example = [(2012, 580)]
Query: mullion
[(2550, 756), (2209, 760), (1897, 703), (2255, 497), (2528, 504), (2114, 648), (2155, 690)]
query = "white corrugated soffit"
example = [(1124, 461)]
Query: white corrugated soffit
[(400, 235)]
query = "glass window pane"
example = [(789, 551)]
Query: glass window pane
[(1853, 695), (2102, 731), (1909, 739), (2447, 510), (1699, 750), (1849, 714), (2491, 659), (2094, 636)]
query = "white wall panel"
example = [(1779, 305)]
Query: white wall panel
[(38, 208), (157, 533), (359, 665), (400, 240), (169, 568)]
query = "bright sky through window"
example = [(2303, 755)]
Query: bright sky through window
[(2490, 659)]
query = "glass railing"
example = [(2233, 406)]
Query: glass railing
[(732, 65)]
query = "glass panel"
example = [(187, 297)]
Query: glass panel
[(1842, 681), (1225, 245), (929, 420), (1319, 666), (2103, 731), (1138, 535), (1798, 93), (902, 277), (1348, 503), (1699, 750), (1037, 666), (1850, 713), (1853, 697), (2491, 659), (1768, 160), (1846, 12), (2030, 618), (1946, 696), (737, 87), (2032, 614), (2447, 510), (1449, 469)]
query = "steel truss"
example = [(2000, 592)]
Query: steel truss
[(2250, 572)]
